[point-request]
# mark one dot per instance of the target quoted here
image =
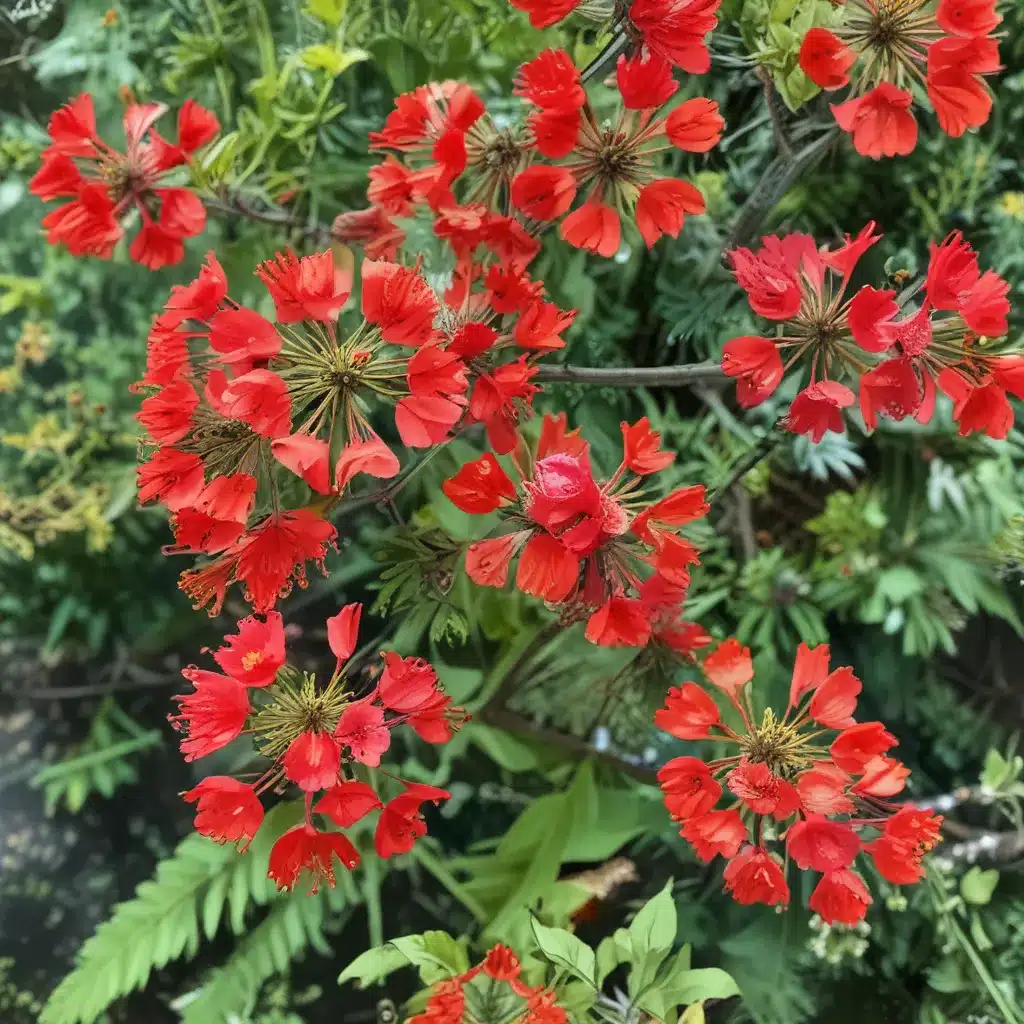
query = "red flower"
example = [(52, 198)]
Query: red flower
[(754, 876), (361, 728), (676, 30), (544, 192), (391, 188), (854, 747), (436, 371), (757, 364), (717, 832), (645, 81), (880, 121), (562, 489), (196, 127), (214, 714), (87, 225), (891, 387), (243, 338), (539, 326), (822, 790), (307, 457), (501, 963), (907, 836), (688, 786), (493, 402), (312, 761), (961, 99), (762, 790), (57, 176), (474, 338), (425, 420), (348, 802), (199, 299), (985, 307), (695, 125), (641, 448), (818, 409), (967, 17), (544, 13), (167, 415), (835, 700), (343, 631), (822, 845), (399, 301), (729, 666), (689, 713), (983, 407), (771, 277), (551, 81), (841, 897), (547, 569), (228, 811), (480, 486), (401, 822), (310, 288), (218, 517), (825, 59), (810, 670), (619, 622), (304, 848), (680, 507), (883, 777), (1008, 372), (662, 206), (871, 312), (406, 684), (371, 456), (260, 399), (594, 227), (72, 127), (172, 477), (673, 557), (487, 561), (255, 653), (952, 272), (275, 553)]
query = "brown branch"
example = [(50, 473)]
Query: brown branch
[(502, 718), (233, 205), (633, 376)]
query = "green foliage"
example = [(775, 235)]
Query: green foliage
[(191, 894), (100, 763)]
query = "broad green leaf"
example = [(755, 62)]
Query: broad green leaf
[(506, 750), (373, 965), (651, 934), (694, 1014), (435, 953), (565, 950), (977, 885), (330, 12), (331, 59), (699, 984)]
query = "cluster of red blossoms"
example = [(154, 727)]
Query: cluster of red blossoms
[(312, 736), (946, 342), (471, 996), (449, 144), (948, 46), (674, 30), (825, 801), (105, 185), (588, 547), (242, 408)]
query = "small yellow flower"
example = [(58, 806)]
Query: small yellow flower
[(1012, 204)]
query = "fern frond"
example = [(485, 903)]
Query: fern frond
[(165, 921), (295, 922)]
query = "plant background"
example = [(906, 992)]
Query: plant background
[(904, 549)]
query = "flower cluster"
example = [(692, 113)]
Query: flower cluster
[(472, 995), (584, 546), (242, 408), (312, 736), (815, 781), (674, 30), (946, 342), (897, 43), (448, 143), (611, 166), (105, 185)]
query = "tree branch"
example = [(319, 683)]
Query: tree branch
[(633, 376), (233, 205)]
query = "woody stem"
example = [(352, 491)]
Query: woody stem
[(633, 376)]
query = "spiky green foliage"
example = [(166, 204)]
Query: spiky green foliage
[(190, 896)]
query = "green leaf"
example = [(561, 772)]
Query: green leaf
[(977, 885), (699, 984), (331, 59), (373, 965), (506, 750), (650, 935), (436, 954), (899, 583), (567, 951), (330, 12)]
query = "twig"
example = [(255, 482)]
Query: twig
[(633, 376), (580, 748), (236, 206), (604, 61)]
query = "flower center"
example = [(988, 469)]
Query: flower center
[(298, 707), (251, 660), (779, 746)]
